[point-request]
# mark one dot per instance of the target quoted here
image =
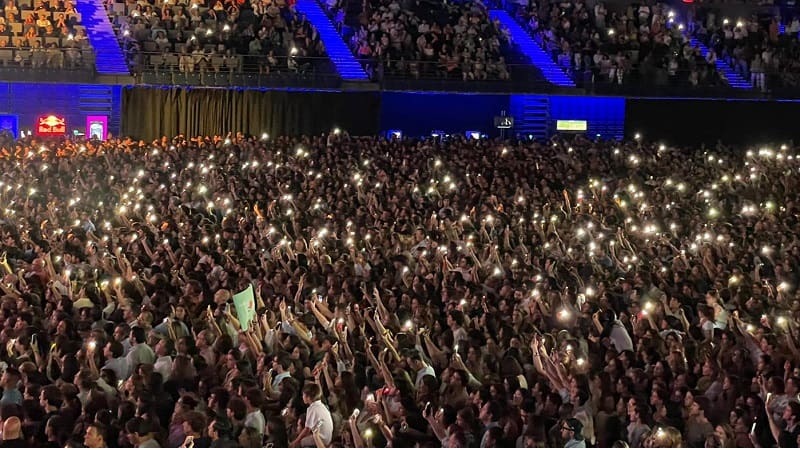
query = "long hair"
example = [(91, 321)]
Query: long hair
[(349, 395)]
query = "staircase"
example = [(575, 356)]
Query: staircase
[(537, 56), (343, 59), (531, 116), (108, 54), (735, 80)]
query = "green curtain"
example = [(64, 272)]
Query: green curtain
[(149, 113)]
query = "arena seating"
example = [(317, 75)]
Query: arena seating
[(43, 35), (224, 37)]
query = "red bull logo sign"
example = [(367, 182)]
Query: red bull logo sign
[(51, 125)]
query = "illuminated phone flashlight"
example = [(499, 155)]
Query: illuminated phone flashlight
[(564, 314), (92, 345)]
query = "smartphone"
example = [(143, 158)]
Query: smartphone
[(753, 428)]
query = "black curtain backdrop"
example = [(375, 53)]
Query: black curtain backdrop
[(149, 113), (695, 122)]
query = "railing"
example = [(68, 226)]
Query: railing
[(236, 70), (434, 75), (51, 64)]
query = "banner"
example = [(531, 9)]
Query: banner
[(245, 303), (51, 126), (97, 127)]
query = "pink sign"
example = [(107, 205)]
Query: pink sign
[(97, 127)]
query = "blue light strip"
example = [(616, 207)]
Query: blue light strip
[(108, 55), (735, 80), (551, 71), (346, 63)]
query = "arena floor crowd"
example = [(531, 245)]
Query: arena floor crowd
[(432, 293)]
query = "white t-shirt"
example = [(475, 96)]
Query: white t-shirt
[(427, 370), (163, 366), (620, 337), (256, 420), (318, 412)]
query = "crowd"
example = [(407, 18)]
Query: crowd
[(642, 44), (754, 46), (454, 293), (43, 34), (455, 40), (261, 36)]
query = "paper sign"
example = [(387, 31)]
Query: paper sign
[(245, 303)]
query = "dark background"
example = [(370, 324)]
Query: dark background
[(694, 122), (150, 113)]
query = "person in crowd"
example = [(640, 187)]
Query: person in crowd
[(362, 292)]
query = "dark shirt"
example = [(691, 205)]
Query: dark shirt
[(224, 443), (788, 439), (13, 443)]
